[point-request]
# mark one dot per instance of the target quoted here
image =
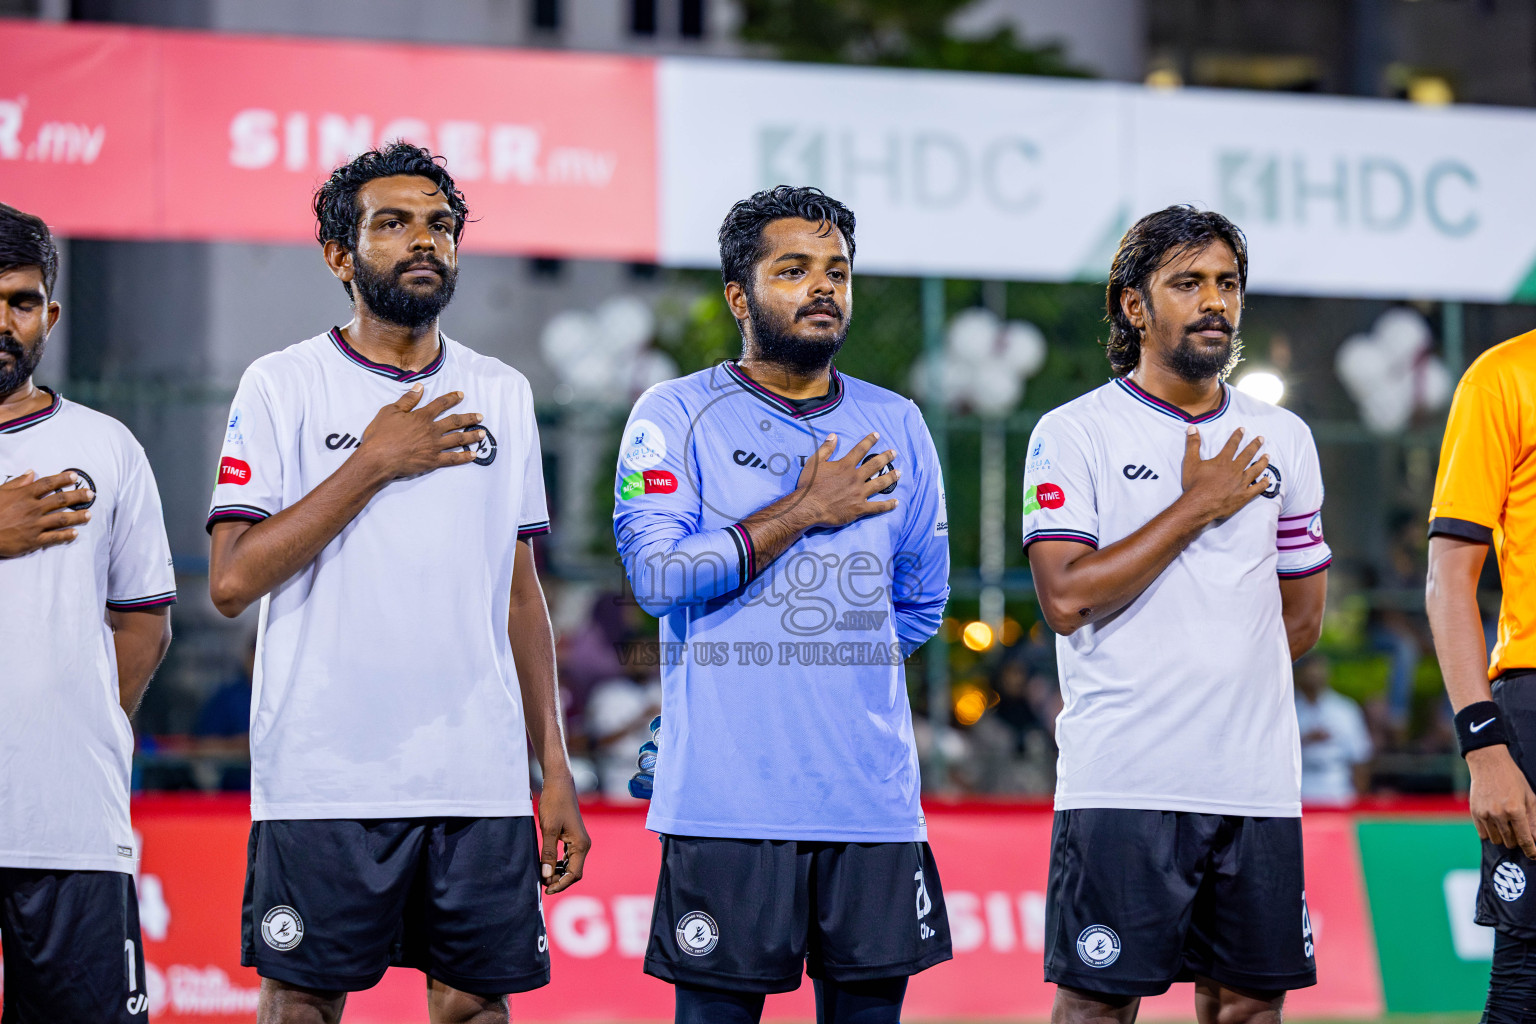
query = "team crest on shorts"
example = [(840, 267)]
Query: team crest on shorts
[(697, 933), (282, 928), (1098, 945), (1509, 881)]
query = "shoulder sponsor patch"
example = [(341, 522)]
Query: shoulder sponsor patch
[(234, 471), (644, 446), (234, 435), (651, 481), (1043, 496), (1042, 455)]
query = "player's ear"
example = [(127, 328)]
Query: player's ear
[(54, 309), (736, 299), (339, 258), (1134, 307)]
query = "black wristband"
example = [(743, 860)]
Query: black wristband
[(1479, 725)]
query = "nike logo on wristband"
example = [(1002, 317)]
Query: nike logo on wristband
[(1480, 726)]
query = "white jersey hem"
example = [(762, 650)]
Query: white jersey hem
[(423, 809), (47, 862), (1117, 801), (722, 830)]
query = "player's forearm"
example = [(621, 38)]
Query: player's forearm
[(533, 654), (1302, 602), (140, 640), (269, 553), (1450, 598), (1101, 582), (776, 526)]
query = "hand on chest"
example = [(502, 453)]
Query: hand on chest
[(334, 428), (759, 460), (1143, 474)]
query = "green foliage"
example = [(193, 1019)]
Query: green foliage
[(892, 33)]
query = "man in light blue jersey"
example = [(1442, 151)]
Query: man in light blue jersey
[(786, 524)]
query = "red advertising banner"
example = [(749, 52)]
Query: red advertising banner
[(992, 862), (152, 133), (78, 144)]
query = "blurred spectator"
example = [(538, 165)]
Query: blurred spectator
[(588, 650), (618, 719), (1401, 634), (1335, 746), (222, 732)]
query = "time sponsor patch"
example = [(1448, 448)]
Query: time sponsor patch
[(234, 471), (1043, 496), (651, 481)]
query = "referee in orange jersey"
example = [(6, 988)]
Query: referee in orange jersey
[(1485, 493)]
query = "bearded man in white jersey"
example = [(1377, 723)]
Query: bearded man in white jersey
[(405, 647), (85, 571), (1174, 532)]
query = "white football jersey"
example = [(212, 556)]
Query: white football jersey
[(1182, 700), (65, 745), (384, 684)]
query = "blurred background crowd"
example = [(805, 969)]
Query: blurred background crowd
[(591, 334)]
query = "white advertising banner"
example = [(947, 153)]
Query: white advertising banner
[(996, 176), (1345, 196), (950, 174)]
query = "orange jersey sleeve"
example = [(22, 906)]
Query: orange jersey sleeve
[(1477, 461)]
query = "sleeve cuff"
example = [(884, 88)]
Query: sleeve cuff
[(1050, 533), (139, 604), (1311, 570), (533, 530), (1464, 529), (236, 513), (745, 552)]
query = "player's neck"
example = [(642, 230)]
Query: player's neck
[(382, 341), (785, 381), (24, 401), (1195, 398)]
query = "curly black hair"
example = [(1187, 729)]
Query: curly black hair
[(1148, 245), (25, 241), (741, 233), (336, 214)]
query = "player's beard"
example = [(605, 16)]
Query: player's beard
[(389, 300), (1195, 362), (776, 342), (23, 362)]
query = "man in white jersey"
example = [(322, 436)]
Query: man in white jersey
[(405, 647), (85, 570), (1174, 532)]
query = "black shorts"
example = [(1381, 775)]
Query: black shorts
[(1138, 900), (331, 904), (749, 915), (1502, 901), (72, 948)]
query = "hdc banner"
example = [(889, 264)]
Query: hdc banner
[(992, 862)]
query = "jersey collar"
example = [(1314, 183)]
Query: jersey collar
[(384, 369), (32, 419), (834, 394), (1153, 402)]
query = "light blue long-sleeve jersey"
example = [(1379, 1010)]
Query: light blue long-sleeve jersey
[(784, 699)]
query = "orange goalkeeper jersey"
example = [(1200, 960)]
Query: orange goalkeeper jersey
[(1486, 488)]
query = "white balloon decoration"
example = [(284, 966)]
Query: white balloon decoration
[(1391, 373), (603, 356), (984, 364)]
